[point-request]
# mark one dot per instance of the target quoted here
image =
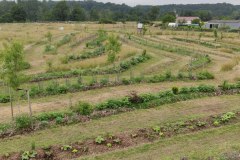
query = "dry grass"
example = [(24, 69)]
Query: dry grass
[(230, 65)]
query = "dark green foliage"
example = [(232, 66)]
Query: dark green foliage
[(23, 121), (49, 116), (204, 75), (175, 90), (4, 99), (82, 108)]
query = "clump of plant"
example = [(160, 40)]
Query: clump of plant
[(27, 155), (23, 121), (175, 90), (99, 140), (82, 108), (66, 147)]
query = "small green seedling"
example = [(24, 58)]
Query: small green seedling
[(27, 155), (109, 145), (66, 147), (117, 141), (74, 151), (156, 129), (99, 140)]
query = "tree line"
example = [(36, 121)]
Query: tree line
[(88, 10)]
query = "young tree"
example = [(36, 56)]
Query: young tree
[(113, 47), (12, 62)]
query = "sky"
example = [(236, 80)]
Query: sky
[(162, 2)]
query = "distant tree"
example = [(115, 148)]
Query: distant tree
[(18, 13), (154, 13), (6, 18), (204, 15), (196, 21), (167, 18), (94, 14), (61, 11), (78, 14)]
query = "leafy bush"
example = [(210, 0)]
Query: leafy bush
[(4, 99), (59, 120), (175, 90), (49, 116), (204, 75), (82, 108), (23, 121), (206, 88)]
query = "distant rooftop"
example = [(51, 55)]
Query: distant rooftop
[(187, 18), (224, 21)]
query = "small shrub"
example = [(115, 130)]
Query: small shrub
[(23, 121), (82, 108), (204, 75), (59, 120), (175, 90)]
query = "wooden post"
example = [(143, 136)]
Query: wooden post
[(10, 95), (29, 103)]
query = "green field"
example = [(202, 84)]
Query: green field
[(163, 77)]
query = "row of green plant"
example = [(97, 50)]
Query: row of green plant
[(109, 140), (199, 61), (123, 66), (203, 43), (102, 36), (54, 88), (132, 101), (52, 48), (161, 46), (87, 54)]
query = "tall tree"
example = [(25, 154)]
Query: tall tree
[(18, 13), (78, 14), (61, 11), (154, 13), (11, 63)]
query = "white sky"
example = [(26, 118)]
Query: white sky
[(161, 2)]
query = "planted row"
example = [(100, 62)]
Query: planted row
[(109, 142), (123, 66), (55, 88), (82, 111)]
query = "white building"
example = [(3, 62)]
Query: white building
[(231, 24)]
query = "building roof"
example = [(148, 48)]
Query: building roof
[(187, 18), (224, 21)]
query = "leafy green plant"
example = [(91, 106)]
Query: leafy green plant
[(175, 90), (82, 108), (59, 120), (74, 151), (227, 117), (156, 129), (23, 121), (109, 145), (99, 140), (66, 147), (27, 155)]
